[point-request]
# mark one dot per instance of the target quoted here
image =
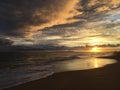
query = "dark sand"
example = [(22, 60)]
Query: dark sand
[(107, 78)]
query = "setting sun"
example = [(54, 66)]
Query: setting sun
[(95, 49)]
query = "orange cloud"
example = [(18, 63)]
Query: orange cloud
[(63, 15)]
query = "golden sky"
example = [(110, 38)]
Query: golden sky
[(68, 23)]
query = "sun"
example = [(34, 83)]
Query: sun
[(95, 49)]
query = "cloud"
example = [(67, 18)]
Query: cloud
[(98, 5), (5, 42), (26, 17), (101, 29), (58, 21)]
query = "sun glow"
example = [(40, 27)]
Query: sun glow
[(95, 49), (97, 41)]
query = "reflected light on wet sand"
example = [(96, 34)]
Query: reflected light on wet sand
[(83, 64), (96, 63)]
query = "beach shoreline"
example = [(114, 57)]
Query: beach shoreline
[(104, 78)]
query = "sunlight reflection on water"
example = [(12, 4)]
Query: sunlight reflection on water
[(83, 64)]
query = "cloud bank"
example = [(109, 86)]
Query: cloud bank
[(100, 25), (26, 17), (59, 22)]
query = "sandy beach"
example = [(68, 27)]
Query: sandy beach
[(106, 78)]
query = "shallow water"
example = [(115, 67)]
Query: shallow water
[(20, 67), (83, 64)]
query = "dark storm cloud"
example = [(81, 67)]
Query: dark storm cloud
[(25, 17)]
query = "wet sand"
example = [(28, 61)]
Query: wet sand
[(107, 78)]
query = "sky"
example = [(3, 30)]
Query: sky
[(69, 23)]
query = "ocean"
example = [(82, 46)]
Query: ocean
[(21, 67)]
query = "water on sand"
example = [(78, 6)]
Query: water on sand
[(20, 67)]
